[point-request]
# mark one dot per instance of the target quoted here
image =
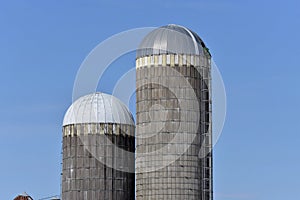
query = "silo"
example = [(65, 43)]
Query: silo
[(173, 113), (98, 150)]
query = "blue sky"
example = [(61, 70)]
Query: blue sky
[(255, 45)]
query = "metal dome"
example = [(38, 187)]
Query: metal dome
[(171, 39), (98, 108)]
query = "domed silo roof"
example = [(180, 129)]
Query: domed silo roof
[(98, 108), (171, 39)]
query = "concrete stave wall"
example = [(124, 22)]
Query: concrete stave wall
[(189, 176), (84, 175)]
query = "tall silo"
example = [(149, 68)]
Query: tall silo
[(98, 150), (174, 137)]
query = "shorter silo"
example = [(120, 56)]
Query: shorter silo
[(98, 150)]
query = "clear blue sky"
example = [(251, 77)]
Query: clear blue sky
[(254, 43)]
